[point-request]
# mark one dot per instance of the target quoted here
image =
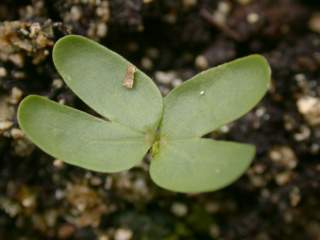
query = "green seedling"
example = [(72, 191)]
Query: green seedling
[(139, 119)]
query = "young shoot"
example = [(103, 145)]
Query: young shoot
[(139, 119)]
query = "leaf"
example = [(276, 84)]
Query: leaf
[(79, 138), (199, 165), (215, 97), (96, 75)]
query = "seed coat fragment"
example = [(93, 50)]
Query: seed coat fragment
[(129, 77)]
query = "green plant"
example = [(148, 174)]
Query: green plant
[(140, 119)]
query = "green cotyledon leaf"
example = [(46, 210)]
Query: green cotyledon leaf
[(96, 74), (182, 160), (79, 138), (215, 97), (199, 165)]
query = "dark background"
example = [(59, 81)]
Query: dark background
[(171, 40)]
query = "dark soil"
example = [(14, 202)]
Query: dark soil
[(171, 40)]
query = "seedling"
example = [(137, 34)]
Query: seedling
[(139, 119)]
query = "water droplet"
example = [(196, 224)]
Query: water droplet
[(202, 93)]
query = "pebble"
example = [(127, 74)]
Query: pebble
[(123, 234), (57, 163), (16, 95), (177, 82), (16, 133), (201, 62), (146, 63), (10, 207), (7, 111), (57, 83), (314, 22), (76, 13), (5, 125), (224, 7), (17, 59), (252, 18), (303, 134), (309, 107), (3, 72), (104, 237), (283, 178), (95, 181), (295, 197), (165, 77), (284, 156), (179, 209), (102, 29), (28, 201)]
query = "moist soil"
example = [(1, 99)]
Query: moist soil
[(277, 198)]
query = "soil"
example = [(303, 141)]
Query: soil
[(171, 40)]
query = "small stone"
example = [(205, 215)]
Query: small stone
[(201, 62), (95, 181), (57, 83), (104, 237), (58, 163), (177, 82), (179, 209), (283, 178), (3, 72), (303, 134), (59, 194), (5, 125), (309, 107), (28, 202), (10, 207), (147, 63), (16, 95), (284, 156), (76, 13), (165, 77), (16, 133), (102, 30), (224, 7), (314, 22), (295, 197), (123, 234), (7, 111), (252, 18), (18, 75), (17, 59)]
